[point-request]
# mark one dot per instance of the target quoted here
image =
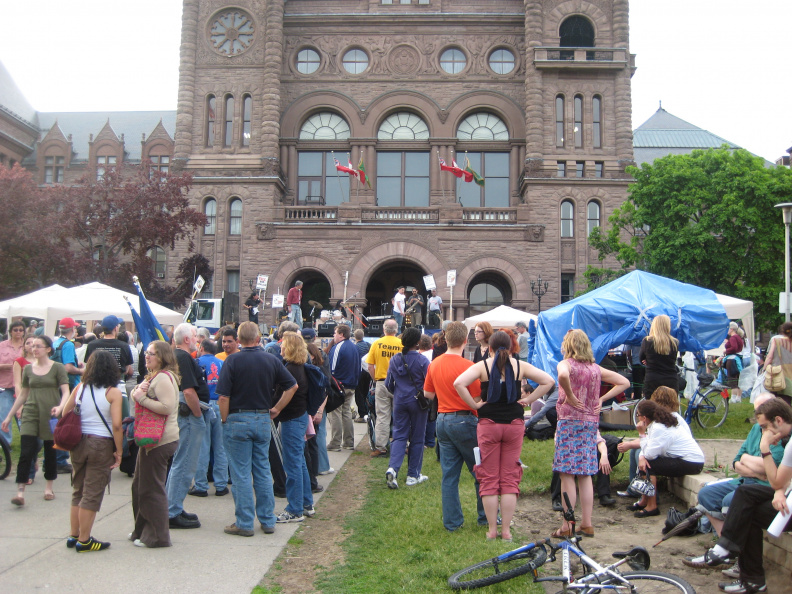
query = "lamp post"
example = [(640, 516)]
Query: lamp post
[(786, 209), (539, 288)]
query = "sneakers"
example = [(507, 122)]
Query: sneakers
[(390, 476), (739, 587), (709, 560), (557, 504), (733, 572), (412, 480), (288, 518), (65, 469), (91, 545), (72, 541), (268, 529), (237, 531), (330, 470), (309, 511), (139, 543), (196, 493)]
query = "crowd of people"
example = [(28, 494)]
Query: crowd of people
[(241, 415)]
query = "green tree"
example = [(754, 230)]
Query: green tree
[(706, 218)]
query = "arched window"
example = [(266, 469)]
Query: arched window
[(482, 126), (559, 120), (157, 256), (596, 120), (104, 163), (502, 61), (325, 125), (53, 169), (355, 61), (160, 163), (488, 291), (592, 216), (228, 114), (403, 125), (247, 112), (210, 120), (578, 121), (577, 31), (235, 218), (308, 61), (567, 219), (453, 61), (210, 210)]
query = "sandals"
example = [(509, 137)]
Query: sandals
[(635, 507), (646, 513), (49, 496), (561, 533), (587, 531)]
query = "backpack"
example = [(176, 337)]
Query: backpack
[(57, 352), (317, 387)]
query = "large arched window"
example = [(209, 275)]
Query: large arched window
[(235, 217), (210, 211), (403, 125), (577, 31), (596, 120), (482, 126), (559, 120), (157, 256), (325, 125), (567, 219), (488, 291), (592, 216), (578, 129)]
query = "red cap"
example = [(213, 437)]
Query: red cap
[(67, 323)]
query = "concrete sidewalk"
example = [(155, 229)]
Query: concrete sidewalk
[(34, 555)]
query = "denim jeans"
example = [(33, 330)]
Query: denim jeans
[(247, 439), (321, 442), (6, 402), (212, 441), (399, 320), (185, 461), (409, 424), (298, 483), (296, 315), (715, 498), (456, 435)]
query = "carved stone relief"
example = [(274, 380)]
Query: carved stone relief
[(265, 231), (534, 233)]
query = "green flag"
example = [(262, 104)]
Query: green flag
[(476, 177)]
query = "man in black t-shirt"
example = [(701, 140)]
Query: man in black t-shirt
[(193, 400), (245, 393), (111, 344)]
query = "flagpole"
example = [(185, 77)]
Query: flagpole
[(442, 185), (338, 177)]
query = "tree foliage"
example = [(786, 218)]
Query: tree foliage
[(95, 230), (706, 218)]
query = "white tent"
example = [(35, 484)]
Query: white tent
[(739, 309), (93, 301), (502, 316)]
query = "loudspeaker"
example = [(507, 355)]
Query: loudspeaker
[(325, 330), (374, 329)]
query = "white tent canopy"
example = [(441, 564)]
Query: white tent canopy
[(502, 316), (93, 301), (739, 309)]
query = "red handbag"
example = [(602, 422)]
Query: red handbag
[(68, 431)]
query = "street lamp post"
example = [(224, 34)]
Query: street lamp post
[(786, 209), (539, 288)]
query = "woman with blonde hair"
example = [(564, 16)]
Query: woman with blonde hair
[(579, 401), (659, 355), (159, 393), (292, 415)]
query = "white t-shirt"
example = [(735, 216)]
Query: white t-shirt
[(435, 303), (398, 303)]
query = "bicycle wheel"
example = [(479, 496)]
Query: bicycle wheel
[(635, 411), (712, 409), (653, 582), (5, 463), (493, 571)]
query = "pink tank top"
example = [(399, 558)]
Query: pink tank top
[(585, 379)]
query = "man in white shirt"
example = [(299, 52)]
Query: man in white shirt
[(398, 308), (434, 305)]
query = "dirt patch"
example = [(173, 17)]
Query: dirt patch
[(316, 546), (617, 530)]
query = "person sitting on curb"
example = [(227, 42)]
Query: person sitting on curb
[(754, 507)]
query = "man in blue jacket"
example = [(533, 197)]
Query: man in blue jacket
[(345, 367)]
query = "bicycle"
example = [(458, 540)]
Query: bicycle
[(5, 463), (528, 558)]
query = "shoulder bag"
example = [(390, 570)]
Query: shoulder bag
[(774, 380), (149, 425)]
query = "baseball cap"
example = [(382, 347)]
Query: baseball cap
[(308, 333), (68, 323), (110, 322)]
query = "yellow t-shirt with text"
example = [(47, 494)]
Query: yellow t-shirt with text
[(380, 355)]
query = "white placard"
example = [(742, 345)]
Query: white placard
[(277, 301), (429, 282), (451, 278), (782, 302), (261, 282), (199, 283)]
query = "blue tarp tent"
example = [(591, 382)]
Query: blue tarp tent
[(622, 311)]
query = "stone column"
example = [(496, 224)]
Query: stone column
[(534, 118), (186, 98), (271, 99), (622, 104)]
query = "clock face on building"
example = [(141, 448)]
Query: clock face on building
[(231, 32)]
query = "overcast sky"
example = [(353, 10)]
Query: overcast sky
[(722, 65)]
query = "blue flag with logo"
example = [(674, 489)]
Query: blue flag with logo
[(147, 325)]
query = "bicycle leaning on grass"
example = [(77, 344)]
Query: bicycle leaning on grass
[(597, 578), (5, 461)]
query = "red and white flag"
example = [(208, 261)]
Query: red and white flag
[(350, 170), (455, 170)]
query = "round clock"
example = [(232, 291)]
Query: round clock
[(231, 32)]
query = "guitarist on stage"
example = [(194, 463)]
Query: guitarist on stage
[(415, 307)]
